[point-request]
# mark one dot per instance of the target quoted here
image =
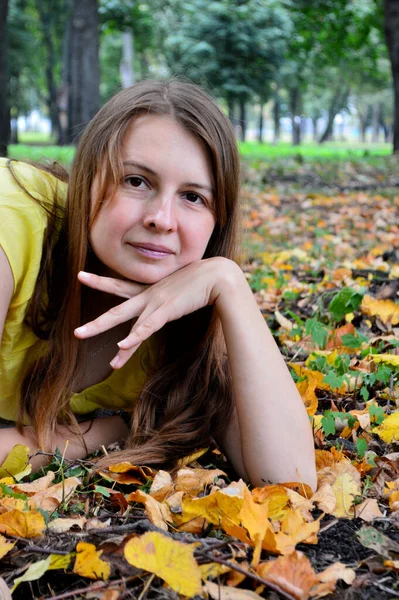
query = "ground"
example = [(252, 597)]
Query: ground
[(321, 253)]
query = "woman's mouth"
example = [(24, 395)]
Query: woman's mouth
[(152, 250)]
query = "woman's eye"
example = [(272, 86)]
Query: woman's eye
[(135, 182), (193, 197)]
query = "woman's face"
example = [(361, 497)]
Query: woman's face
[(162, 214)]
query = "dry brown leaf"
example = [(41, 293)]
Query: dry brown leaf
[(162, 486), (158, 513), (36, 486), (51, 497), (62, 525), (368, 510), (337, 571), (5, 546), (193, 481), (222, 592), (292, 574)]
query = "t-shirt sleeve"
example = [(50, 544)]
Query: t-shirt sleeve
[(23, 222)]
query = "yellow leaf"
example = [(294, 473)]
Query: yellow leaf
[(389, 428), (60, 561), (345, 489), (224, 503), (294, 529), (292, 574), (5, 546), (253, 517), (182, 462), (8, 503), (386, 359), (170, 560), (16, 461), (33, 573), (212, 570), (306, 389), (386, 310), (89, 564), (277, 498), (22, 524)]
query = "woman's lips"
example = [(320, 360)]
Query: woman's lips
[(152, 250)]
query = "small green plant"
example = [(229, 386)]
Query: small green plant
[(346, 301)]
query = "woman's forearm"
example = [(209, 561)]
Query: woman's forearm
[(276, 437), (96, 433)]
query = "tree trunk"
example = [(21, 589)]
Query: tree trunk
[(84, 82), (126, 67), (376, 122), (315, 134), (243, 121), (295, 118), (384, 128), (230, 108), (260, 132), (391, 30), (4, 105), (276, 118), (339, 99), (46, 15)]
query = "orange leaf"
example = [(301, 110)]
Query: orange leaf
[(157, 512), (292, 574), (22, 524), (386, 310)]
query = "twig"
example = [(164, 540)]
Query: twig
[(146, 586), (330, 524), (253, 576), (98, 585)]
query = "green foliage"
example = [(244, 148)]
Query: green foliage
[(328, 420), (354, 341), (317, 331), (377, 412), (361, 447), (346, 301)]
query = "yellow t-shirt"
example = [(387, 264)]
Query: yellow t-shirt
[(22, 227)]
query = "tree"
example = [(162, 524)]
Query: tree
[(83, 68), (233, 48), (4, 106), (391, 29)]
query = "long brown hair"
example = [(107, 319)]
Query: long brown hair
[(189, 398)]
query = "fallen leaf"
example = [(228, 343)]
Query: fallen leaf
[(89, 564), (337, 571), (61, 525), (386, 310), (33, 573), (22, 524), (158, 513), (370, 537), (223, 592), (389, 428), (162, 486), (16, 461), (50, 498), (368, 510), (5, 546), (170, 560), (292, 574)]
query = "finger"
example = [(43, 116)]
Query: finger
[(126, 311), (122, 357), (118, 287), (144, 328)]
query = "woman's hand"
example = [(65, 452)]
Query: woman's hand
[(181, 293)]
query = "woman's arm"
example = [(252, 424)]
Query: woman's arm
[(270, 438), (96, 433), (276, 437)]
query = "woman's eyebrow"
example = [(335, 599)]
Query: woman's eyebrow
[(130, 163)]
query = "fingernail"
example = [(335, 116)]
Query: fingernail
[(114, 362), (82, 329), (84, 275), (122, 343)]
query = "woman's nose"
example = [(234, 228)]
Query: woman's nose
[(161, 213)]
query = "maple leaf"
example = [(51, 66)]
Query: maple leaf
[(22, 524)]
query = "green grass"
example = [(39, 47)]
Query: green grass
[(61, 154), (312, 151), (251, 151)]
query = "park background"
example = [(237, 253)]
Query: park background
[(288, 73)]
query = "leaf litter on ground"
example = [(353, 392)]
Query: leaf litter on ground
[(324, 267)]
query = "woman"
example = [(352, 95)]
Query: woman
[(150, 217)]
